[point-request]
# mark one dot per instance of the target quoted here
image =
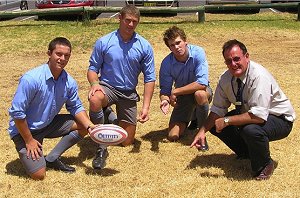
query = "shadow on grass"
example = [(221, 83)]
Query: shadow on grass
[(160, 136), (155, 137), (15, 168), (87, 151), (106, 172), (233, 169)]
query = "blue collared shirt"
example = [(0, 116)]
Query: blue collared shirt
[(195, 69), (39, 98), (120, 63)]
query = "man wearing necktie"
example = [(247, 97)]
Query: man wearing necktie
[(262, 111)]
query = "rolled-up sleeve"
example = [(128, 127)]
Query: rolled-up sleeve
[(96, 58), (165, 78), (23, 96), (201, 67), (74, 104), (221, 102), (260, 97), (148, 65)]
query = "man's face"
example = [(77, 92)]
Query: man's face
[(59, 57), (178, 47), (236, 61), (128, 23)]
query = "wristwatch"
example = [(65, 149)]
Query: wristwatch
[(226, 120)]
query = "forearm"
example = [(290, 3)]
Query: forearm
[(92, 77), (148, 93), (245, 118), (188, 89), (83, 119), (210, 121), (23, 129)]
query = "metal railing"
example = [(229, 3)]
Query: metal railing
[(87, 11)]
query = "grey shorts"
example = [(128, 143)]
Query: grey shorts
[(125, 101), (186, 105), (59, 127)]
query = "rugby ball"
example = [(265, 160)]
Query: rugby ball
[(108, 134)]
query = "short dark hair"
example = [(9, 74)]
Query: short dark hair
[(131, 10), (59, 41), (172, 33), (231, 43)]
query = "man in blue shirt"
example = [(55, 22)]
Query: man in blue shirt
[(35, 109), (115, 64), (186, 67)]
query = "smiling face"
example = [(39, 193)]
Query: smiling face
[(236, 61), (58, 59), (179, 48)]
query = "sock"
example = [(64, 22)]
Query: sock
[(102, 146), (110, 116), (201, 114), (97, 117), (65, 143)]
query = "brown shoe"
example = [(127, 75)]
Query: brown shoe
[(266, 172)]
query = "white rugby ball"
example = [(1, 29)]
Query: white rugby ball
[(108, 134)]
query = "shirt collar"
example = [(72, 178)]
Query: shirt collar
[(48, 74), (120, 38), (245, 75)]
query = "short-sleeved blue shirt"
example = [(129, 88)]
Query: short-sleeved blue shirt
[(120, 63), (39, 98), (195, 69)]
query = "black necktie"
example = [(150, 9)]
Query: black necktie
[(238, 104)]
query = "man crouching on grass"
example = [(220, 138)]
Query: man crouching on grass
[(39, 98), (262, 111)]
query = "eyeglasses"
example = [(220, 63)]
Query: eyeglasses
[(235, 60)]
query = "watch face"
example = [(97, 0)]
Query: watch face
[(226, 120)]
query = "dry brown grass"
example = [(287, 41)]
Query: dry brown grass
[(154, 167)]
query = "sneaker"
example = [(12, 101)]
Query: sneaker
[(266, 172), (99, 161), (59, 165)]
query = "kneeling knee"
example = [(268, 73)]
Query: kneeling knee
[(173, 138), (201, 97), (128, 142), (39, 175)]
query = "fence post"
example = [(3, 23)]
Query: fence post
[(201, 14), (298, 12), (86, 16)]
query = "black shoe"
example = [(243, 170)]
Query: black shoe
[(204, 147), (59, 165), (193, 125), (266, 172), (242, 157), (99, 161)]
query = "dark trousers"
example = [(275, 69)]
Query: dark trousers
[(252, 140)]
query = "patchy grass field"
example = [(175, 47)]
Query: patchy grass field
[(153, 167)]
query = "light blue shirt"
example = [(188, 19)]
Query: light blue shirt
[(120, 63), (195, 69), (39, 98)]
